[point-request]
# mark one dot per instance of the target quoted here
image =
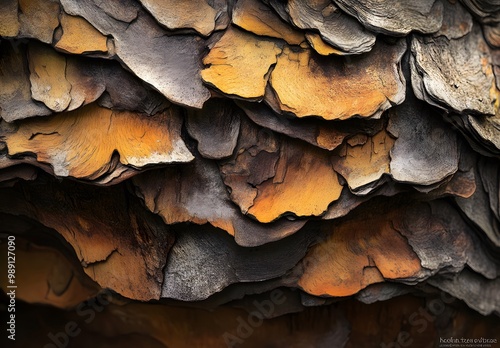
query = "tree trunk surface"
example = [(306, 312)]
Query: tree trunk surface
[(250, 173)]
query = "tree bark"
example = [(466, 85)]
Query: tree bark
[(250, 172)]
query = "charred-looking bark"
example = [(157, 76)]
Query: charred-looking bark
[(250, 173)]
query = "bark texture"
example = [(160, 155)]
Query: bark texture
[(254, 173)]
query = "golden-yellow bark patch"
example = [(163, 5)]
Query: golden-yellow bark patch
[(307, 84), (81, 143), (363, 163), (321, 46), (178, 14), (254, 16), (78, 36), (9, 23), (239, 62), (48, 77), (39, 19)]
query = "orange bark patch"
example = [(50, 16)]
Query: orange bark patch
[(305, 184), (239, 62), (177, 14), (81, 143), (336, 87), (9, 24), (119, 244), (358, 253), (321, 46), (79, 36), (254, 16), (48, 276), (48, 77), (39, 18)]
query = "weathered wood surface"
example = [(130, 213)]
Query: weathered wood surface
[(456, 74), (221, 262), (171, 64), (396, 17), (336, 28), (260, 19), (38, 19), (15, 90), (78, 36), (196, 193), (121, 247), (174, 14), (425, 152), (188, 327), (84, 142), (203, 154), (306, 84)]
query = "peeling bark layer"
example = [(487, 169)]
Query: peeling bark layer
[(254, 173)]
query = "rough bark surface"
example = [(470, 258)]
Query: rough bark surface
[(254, 173)]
